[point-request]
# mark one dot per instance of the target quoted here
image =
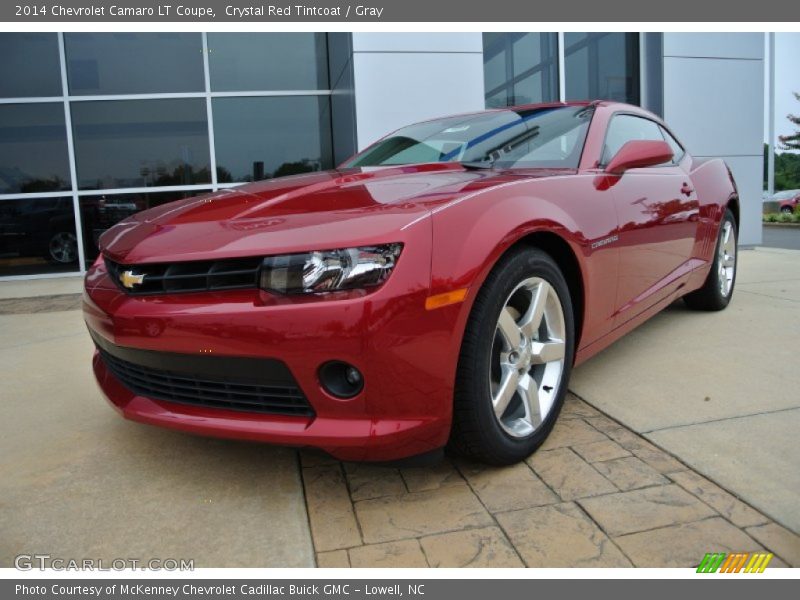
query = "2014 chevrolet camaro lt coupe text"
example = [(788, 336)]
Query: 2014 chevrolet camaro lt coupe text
[(433, 291)]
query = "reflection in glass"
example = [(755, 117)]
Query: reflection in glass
[(29, 65), (37, 236), (677, 149), (267, 61), (134, 63), (98, 213), (626, 128), (520, 68), (33, 148), (602, 66), (141, 143), (259, 138), (515, 138)]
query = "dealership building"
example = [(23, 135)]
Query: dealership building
[(97, 126)]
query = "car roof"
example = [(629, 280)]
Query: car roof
[(532, 106)]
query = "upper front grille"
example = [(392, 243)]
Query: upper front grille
[(190, 276)]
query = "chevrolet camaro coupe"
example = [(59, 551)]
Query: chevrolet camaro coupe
[(432, 292)]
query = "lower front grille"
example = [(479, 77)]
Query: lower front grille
[(268, 389)]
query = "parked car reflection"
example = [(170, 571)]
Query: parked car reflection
[(98, 213), (37, 235)]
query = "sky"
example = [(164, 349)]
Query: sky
[(787, 80)]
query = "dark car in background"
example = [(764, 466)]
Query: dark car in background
[(101, 213), (42, 229)]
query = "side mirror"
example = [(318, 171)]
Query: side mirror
[(639, 153)]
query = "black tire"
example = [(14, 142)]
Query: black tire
[(711, 297), (787, 210), (476, 432), (62, 248)]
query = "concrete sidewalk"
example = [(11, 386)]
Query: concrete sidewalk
[(77, 481), (721, 391), (46, 286)]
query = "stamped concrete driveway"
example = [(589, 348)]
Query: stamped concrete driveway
[(721, 391)]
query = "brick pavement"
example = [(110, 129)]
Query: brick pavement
[(596, 494)]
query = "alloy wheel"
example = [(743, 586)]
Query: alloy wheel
[(63, 247), (726, 259), (527, 358)]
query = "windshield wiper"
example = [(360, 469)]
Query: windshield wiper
[(477, 164), (507, 148)]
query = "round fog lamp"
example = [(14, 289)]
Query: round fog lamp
[(340, 379)]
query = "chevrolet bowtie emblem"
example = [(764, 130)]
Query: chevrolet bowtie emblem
[(129, 279)]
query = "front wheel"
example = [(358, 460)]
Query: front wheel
[(62, 248), (787, 210), (717, 290), (515, 360)]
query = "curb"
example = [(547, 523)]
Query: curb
[(786, 225)]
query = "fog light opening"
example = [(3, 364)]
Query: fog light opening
[(340, 379)]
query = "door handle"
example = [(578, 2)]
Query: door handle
[(686, 189)]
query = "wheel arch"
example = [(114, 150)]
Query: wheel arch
[(733, 205), (564, 256)]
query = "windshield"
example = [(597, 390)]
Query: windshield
[(549, 136)]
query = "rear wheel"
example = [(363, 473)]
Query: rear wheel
[(515, 360), (787, 210), (717, 290)]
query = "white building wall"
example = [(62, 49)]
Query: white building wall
[(401, 78), (713, 94), (714, 100)]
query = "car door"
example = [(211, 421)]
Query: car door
[(657, 211)]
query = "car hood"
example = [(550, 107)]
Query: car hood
[(322, 210)]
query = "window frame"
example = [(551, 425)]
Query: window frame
[(73, 43), (67, 100), (57, 107), (512, 80), (675, 160), (57, 87), (659, 125), (591, 43)]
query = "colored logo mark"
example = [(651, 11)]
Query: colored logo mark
[(738, 562), (130, 279)]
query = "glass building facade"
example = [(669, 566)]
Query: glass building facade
[(523, 68), (97, 126), (520, 68)]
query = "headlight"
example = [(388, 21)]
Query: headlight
[(329, 270)]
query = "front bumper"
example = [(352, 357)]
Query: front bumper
[(408, 357)]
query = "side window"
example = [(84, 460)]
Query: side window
[(624, 128), (677, 149)]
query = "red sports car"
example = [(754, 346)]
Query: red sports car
[(433, 291), (789, 205)]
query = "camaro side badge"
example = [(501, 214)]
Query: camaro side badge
[(130, 279), (604, 242)]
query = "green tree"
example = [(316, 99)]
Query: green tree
[(791, 142), (787, 170)]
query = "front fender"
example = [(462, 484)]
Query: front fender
[(472, 233)]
